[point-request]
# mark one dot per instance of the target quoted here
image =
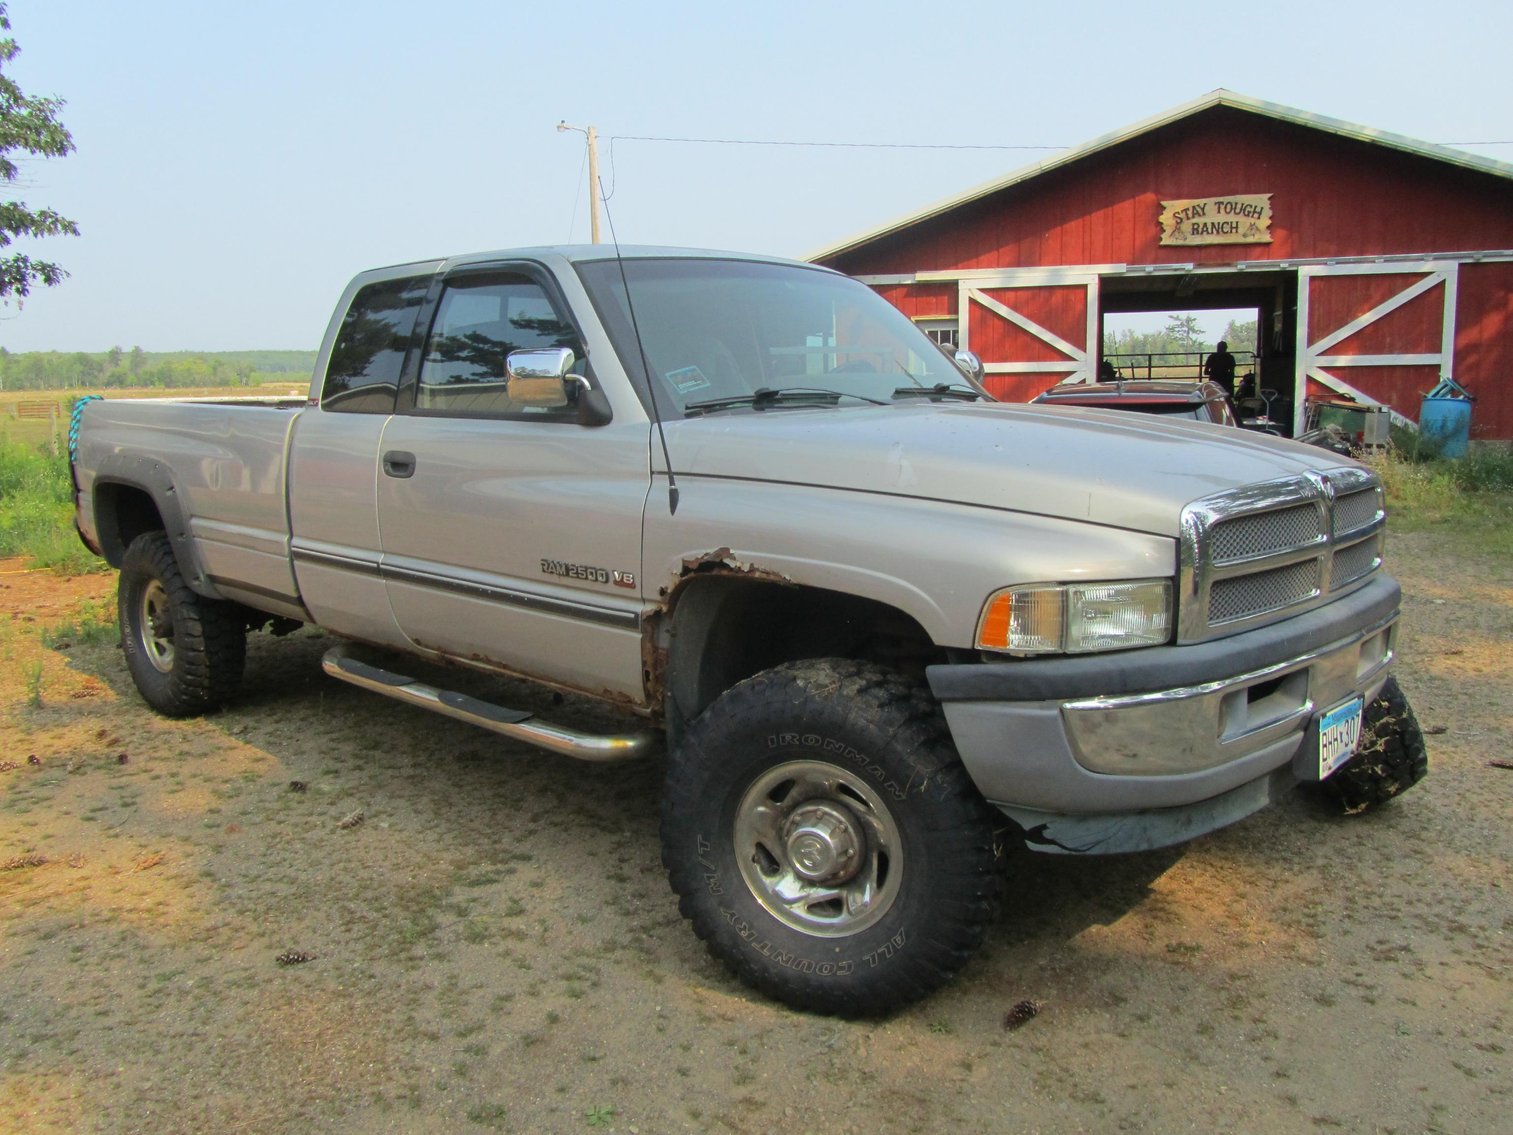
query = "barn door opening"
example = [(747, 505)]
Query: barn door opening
[(1377, 334), (1175, 342), (1249, 308)]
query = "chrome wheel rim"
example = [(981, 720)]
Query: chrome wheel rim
[(818, 848), (155, 627)]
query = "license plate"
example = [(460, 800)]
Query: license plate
[(1339, 734)]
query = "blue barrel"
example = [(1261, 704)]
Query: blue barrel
[(1444, 421)]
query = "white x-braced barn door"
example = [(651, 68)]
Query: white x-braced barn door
[(1032, 328), (1381, 334)]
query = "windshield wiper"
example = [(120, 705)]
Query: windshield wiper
[(939, 390), (767, 396)]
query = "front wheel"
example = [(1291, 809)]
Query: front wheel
[(186, 653), (826, 842), (1390, 759)]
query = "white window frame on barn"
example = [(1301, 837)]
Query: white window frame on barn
[(944, 331)]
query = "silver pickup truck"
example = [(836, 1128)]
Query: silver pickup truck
[(890, 628)]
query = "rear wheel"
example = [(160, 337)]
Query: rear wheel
[(186, 653), (826, 842)]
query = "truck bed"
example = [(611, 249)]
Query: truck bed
[(227, 459)]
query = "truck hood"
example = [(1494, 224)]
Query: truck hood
[(1106, 467)]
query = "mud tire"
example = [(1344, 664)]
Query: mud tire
[(868, 751), (186, 653), (1391, 757)]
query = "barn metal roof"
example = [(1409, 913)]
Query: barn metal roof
[(1213, 99)]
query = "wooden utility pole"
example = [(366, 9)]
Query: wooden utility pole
[(593, 175)]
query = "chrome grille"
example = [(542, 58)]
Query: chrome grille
[(1357, 510), (1243, 596), (1267, 533), (1260, 553), (1351, 563)]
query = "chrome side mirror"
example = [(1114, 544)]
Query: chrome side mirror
[(970, 364), (540, 377), (544, 378)]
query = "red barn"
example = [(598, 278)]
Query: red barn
[(1377, 264)]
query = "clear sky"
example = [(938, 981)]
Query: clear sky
[(238, 162)]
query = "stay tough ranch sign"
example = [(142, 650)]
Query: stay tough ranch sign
[(1243, 219)]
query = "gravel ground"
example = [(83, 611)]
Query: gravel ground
[(321, 911)]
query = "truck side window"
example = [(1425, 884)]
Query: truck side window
[(478, 323), (363, 376)]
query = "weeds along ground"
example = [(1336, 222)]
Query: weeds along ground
[(36, 501), (1473, 495), (36, 510)]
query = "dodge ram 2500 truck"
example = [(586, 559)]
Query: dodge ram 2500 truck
[(889, 626)]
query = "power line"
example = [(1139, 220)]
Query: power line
[(830, 145)]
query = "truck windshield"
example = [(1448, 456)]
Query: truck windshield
[(715, 333)]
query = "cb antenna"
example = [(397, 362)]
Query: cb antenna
[(651, 390)]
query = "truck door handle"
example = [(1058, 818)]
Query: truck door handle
[(399, 463)]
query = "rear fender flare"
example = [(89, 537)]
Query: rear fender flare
[(154, 478)]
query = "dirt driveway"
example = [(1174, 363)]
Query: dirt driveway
[(491, 942)]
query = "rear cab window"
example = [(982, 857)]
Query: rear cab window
[(368, 356)]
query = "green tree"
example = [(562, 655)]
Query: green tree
[(1185, 332), (1240, 335), (30, 125), (86, 370)]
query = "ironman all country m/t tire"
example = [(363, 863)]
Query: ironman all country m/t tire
[(1391, 756), (186, 653), (826, 842)]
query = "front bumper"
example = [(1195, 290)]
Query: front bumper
[(1144, 748)]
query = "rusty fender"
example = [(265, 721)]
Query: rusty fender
[(654, 660), (654, 653), (722, 561)]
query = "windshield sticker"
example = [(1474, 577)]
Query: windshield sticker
[(687, 380)]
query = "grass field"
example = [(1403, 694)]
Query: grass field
[(1471, 498), (36, 495), (25, 415), (36, 510)]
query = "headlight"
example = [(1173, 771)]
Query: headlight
[(1076, 618)]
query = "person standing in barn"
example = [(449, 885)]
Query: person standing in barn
[(1220, 368)]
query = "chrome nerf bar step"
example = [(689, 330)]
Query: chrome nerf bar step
[(519, 725)]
